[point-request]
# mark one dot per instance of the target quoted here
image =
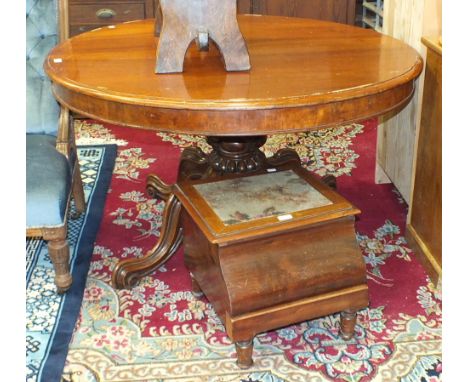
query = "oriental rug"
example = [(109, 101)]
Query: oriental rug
[(158, 331), (50, 318)]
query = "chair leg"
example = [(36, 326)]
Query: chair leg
[(59, 252), (77, 191)]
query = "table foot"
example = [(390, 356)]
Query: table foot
[(128, 272)]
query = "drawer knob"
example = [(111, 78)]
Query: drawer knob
[(105, 13)]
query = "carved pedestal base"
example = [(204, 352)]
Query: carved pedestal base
[(229, 155)]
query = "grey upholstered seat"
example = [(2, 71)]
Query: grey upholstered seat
[(48, 186)]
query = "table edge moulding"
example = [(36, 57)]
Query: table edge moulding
[(242, 114), (305, 75)]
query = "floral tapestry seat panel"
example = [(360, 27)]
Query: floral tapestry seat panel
[(254, 197)]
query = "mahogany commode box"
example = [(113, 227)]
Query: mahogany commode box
[(271, 249)]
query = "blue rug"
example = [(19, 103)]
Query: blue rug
[(51, 318)]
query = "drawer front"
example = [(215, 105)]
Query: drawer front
[(105, 13)]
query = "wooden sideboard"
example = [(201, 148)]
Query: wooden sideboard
[(424, 228), (85, 15)]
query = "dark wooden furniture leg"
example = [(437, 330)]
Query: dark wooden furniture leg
[(78, 192), (348, 322), (229, 155), (196, 290), (59, 252), (244, 353), (128, 272)]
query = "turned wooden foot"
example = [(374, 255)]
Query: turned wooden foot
[(234, 155), (348, 322), (244, 354), (59, 253)]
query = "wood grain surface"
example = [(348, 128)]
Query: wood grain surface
[(265, 277), (205, 22), (424, 229), (306, 74)]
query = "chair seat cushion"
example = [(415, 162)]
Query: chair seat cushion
[(48, 182)]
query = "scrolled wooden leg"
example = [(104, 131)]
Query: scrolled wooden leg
[(193, 164), (59, 252), (128, 272), (348, 322), (156, 188), (244, 354), (284, 157), (196, 290)]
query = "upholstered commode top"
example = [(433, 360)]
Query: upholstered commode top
[(249, 198)]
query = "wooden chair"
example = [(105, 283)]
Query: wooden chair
[(52, 169)]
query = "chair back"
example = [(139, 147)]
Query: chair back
[(42, 110)]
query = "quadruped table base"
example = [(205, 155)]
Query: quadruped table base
[(230, 155)]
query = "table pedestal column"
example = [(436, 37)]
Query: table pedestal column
[(230, 155)]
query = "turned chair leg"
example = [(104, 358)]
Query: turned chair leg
[(59, 252), (78, 192), (348, 322), (196, 290), (244, 354)]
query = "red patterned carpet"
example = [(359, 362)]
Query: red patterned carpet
[(158, 332)]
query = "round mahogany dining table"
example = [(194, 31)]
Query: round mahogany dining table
[(305, 75)]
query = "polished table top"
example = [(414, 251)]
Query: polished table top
[(306, 74)]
